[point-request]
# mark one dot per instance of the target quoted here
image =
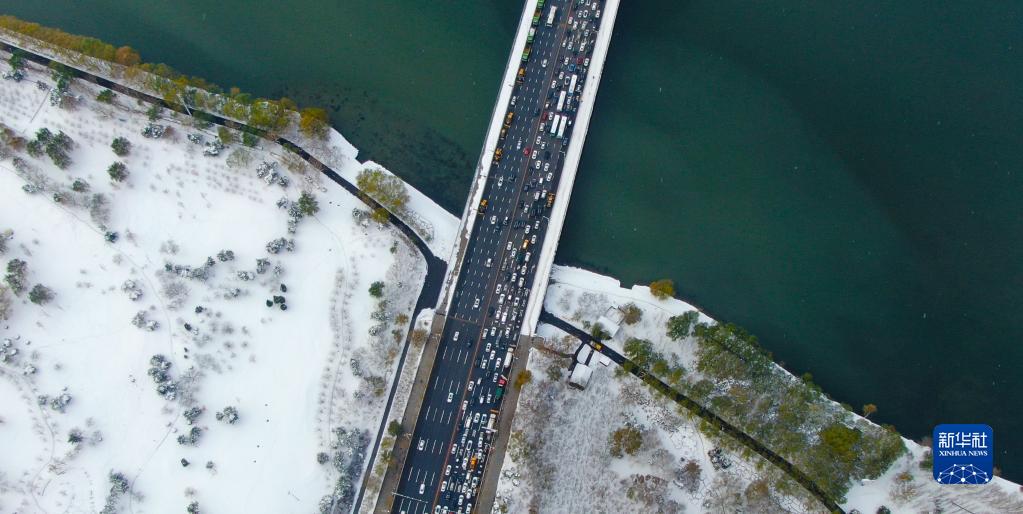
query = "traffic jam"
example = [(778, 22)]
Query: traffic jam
[(518, 195)]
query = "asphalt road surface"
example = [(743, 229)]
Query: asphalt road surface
[(451, 443)]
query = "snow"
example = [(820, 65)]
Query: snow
[(288, 373), (568, 467), (582, 297)]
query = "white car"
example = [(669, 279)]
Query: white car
[(455, 338), (447, 471), (547, 167), (422, 444), (476, 303), (471, 384), (451, 396), (537, 165), (543, 64), (508, 248), (538, 138), (535, 153), (533, 240), (444, 484), (493, 220), (518, 146), (422, 488), (549, 176)]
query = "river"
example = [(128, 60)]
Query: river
[(842, 179)]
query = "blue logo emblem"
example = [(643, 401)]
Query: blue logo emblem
[(963, 454)]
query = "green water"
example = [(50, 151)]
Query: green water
[(843, 179)]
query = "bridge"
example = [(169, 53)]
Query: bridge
[(500, 266)]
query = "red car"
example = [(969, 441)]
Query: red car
[(527, 150), (502, 381)]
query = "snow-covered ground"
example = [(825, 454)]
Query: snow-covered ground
[(558, 459), (293, 376), (567, 430)]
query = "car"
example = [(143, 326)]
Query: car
[(561, 74), (502, 381), (527, 229), (451, 396), (513, 98), (461, 497), (535, 153), (476, 303), (422, 444), (500, 181), (586, 62), (521, 279), (465, 404), (454, 449), (489, 262), (455, 338), (447, 471), (471, 385), (444, 484), (537, 226), (543, 64), (532, 241), (493, 220), (422, 488), (550, 175), (509, 247), (518, 146), (543, 146), (547, 167), (507, 332), (539, 139), (537, 164)]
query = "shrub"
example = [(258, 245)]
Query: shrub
[(662, 289), (313, 122), (106, 96), (394, 428), (681, 326), (626, 439), (117, 171), (40, 294), (307, 204), (121, 146), (376, 289), (632, 314), (524, 377)]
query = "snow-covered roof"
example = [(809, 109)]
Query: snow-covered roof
[(580, 376), (609, 325), (583, 355)]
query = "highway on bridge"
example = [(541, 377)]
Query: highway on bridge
[(451, 442)]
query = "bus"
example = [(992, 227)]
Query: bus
[(554, 124), (532, 34), (550, 17), (536, 18), (561, 101), (539, 3), (561, 128), (571, 87)]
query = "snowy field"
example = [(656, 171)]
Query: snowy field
[(152, 374), (559, 461)]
